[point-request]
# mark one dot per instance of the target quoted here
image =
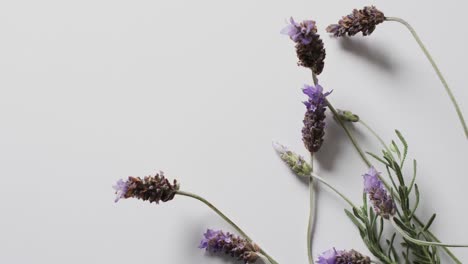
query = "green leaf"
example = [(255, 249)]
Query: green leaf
[(354, 220), (429, 223), (377, 158), (414, 176), (416, 189), (405, 145), (395, 149)]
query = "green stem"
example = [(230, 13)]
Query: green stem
[(316, 177), (422, 242), (375, 135), (349, 134), (223, 216), (436, 68), (310, 225)]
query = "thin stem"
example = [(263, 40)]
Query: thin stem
[(236, 227), (375, 135), (436, 68), (349, 134), (422, 242), (310, 226), (315, 176)]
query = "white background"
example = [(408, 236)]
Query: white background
[(94, 91)]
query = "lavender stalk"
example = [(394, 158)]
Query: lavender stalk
[(224, 217), (158, 189), (365, 20)]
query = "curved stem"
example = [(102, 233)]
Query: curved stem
[(436, 68), (421, 242), (349, 134), (315, 176), (236, 227)]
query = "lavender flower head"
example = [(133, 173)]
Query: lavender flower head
[(383, 203), (295, 162), (300, 32), (314, 119), (309, 45), (218, 241), (334, 256), (150, 188), (364, 20)]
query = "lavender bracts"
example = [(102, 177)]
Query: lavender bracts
[(309, 46), (364, 20), (295, 162), (383, 203), (151, 188), (314, 119), (334, 256), (240, 248)]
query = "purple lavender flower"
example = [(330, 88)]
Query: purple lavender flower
[(300, 32), (334, 256), (316, 97), (309, 46), (383, 203), (314, 119), (218, 241), (150, 188), (120, 189), (328, 257)]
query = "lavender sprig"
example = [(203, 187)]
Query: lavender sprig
[(333, 256), (150, 188), (365, 20), (240, 248)]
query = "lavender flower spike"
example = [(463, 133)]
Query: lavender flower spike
[(295, 162), (334, 256), (309, 46), (218, 241), (314, 119), (364, 20), (150, 188), (383, 203)]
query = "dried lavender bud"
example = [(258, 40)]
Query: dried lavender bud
[(314, 119), (383, 203), (347, 116), (240, 248), (296, 162), (334, 256), (151, 188), (309, 46), (364, 20)]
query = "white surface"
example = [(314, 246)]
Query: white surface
[(94, 91)]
